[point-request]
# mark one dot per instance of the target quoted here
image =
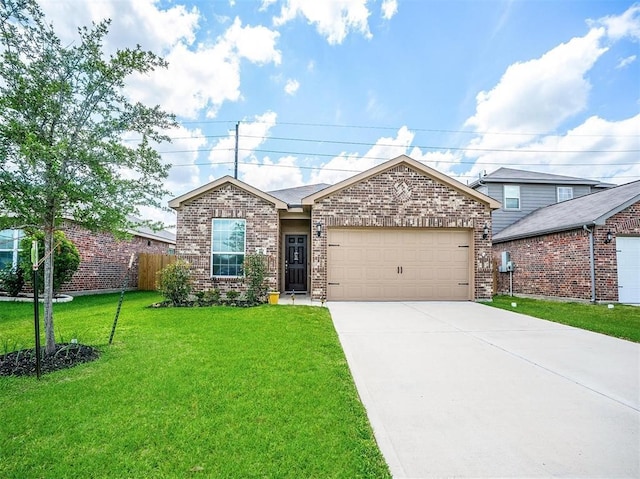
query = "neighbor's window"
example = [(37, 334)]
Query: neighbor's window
[(9, 247), (565, 193), (511, 197), (227, 246)]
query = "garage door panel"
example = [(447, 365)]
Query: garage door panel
[(398, 264), (628, 259)]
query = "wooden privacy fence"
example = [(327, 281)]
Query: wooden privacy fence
[(148, 265)]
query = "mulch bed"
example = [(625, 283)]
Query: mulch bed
[(67, 355)]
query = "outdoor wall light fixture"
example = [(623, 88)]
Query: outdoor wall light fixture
[(318, 229), (485, 231), (609, 237)]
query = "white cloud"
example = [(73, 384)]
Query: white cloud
[(348, 164), (625, 25), (442, 161), (269, 175), (200, 76), (256, 44), (206, 77), (389, 8), (333, 19), (624, 62), (538, 95), (133, 22), (251, 134), (597, 148), (292, 86)]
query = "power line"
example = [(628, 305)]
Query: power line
[(345, 170), (396, 128)]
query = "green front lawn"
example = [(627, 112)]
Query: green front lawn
[(622, 321), (204, 392)]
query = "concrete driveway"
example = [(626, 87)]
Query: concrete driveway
[(465, 390)]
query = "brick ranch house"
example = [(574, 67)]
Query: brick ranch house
[(399, 231), (587, 248), (104, 259)]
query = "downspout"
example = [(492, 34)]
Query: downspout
[(592, 264)]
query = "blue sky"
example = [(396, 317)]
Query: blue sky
[(326, 89)]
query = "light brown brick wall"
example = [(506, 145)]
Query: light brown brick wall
[(402, 197), (193, 241), (557, 265)]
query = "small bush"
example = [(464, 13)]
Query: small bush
[(12, 280), (66, 258), (232, 295), (174, 282), (255, 272)]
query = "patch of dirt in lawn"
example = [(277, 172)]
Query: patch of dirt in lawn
[(67, 355)]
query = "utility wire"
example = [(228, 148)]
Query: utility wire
[(396, 128)]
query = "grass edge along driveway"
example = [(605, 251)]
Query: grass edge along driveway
[(187, 392), (621, 321)]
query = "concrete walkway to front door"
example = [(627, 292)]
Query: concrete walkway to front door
[(465, 390)]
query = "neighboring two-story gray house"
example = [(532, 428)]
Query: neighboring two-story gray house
[(521, 192), (568, 237)]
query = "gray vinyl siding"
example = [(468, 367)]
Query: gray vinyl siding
[(532, 197)]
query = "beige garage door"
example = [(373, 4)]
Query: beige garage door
[(399, 264)]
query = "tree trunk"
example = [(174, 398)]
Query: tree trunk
[(48, 290)]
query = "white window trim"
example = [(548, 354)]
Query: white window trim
[(558, 188), (504, 197), (17, 237), (212, 252)]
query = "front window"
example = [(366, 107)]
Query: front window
[(9, 247), (565, 193), (511, 197), (227, 246)]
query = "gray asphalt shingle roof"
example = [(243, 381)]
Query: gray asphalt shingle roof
[(512, 175), (584, 210), (293, 196)]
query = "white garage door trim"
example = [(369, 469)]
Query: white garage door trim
[(628, 259), (387, 264)]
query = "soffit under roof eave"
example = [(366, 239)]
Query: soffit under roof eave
[(177, 202), (424, 169), (543, 232)]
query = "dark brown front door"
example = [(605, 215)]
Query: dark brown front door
[(295, 264)]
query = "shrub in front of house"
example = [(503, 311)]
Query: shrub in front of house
[(12, 280), (66, 258), (174, 282), (255, 274)]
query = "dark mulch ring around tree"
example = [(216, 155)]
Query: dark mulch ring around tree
[(67, 355)]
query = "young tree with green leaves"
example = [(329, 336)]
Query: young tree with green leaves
[(64, 117)]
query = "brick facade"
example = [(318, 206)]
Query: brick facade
[(402, 197), (104, 259), (226, 201), (558, 264)]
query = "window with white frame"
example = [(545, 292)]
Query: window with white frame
[(9, 247), (565, 193), (511, 197), (227, 246)]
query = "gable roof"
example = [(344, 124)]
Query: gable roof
[(512, 175), (593, 209), (293, 196), (180, 200), (416, 165), (145, 232)]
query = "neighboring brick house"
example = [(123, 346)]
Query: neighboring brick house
[(587, 248), (104, 259), (398, 231), (522, 192)]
